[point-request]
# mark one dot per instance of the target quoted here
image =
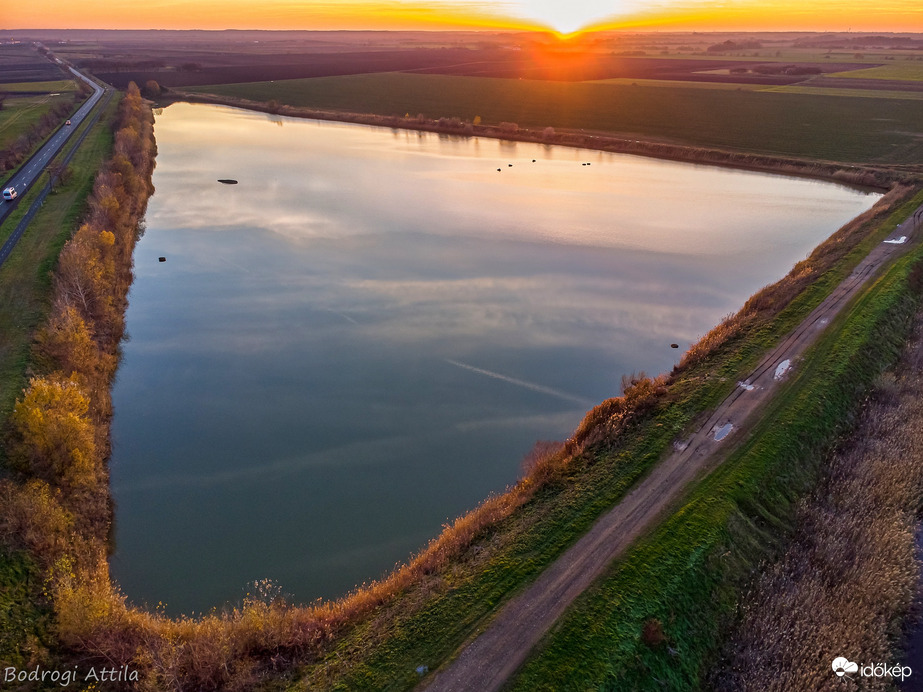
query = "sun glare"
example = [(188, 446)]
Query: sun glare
[(567, 19)]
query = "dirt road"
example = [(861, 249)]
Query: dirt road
[(486, 663)]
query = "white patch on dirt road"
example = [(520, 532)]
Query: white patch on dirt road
[(781, 369), (897, 241), (723, 431), (746, 385)]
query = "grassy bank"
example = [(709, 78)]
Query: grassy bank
[(655, 621), (834, 128)]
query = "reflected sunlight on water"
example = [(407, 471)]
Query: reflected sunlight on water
[(363, 337)]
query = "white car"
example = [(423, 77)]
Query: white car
[(9, 193)]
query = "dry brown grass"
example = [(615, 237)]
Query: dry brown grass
[(766, 303), (852, 571)]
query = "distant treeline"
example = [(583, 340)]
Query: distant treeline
[(725, 46), (853, 43), (106, 64)]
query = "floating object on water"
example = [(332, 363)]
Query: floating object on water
[(227, 181), (674, 345), (161, 259)]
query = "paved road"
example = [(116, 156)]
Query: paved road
[(487, 662), (32, 169)]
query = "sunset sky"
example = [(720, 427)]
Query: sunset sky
[(564, 16)]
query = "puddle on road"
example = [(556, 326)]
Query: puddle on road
[(723, 431), (781, 369)]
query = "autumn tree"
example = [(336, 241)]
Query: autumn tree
[(53, 432)]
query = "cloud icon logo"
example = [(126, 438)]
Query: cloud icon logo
[(842, 666)]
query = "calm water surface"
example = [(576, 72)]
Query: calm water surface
[(363, 338)]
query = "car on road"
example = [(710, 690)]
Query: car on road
[(68, 122), (10, 193)]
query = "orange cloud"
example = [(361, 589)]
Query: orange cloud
[(246, 14), (774, 15), (810, 15)]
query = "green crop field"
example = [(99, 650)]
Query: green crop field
[(848, 93), (19, 113), (837, 128), (60, 85), (904, 70)]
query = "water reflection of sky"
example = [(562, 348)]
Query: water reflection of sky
[(362, 338)]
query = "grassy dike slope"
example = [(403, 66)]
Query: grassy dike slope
[(25, 299), (656, 620)]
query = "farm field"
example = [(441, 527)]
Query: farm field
[(182, 59), (30, 88), (20, 63), (59, 85), (905, 70), (855, 129), (20, 113)]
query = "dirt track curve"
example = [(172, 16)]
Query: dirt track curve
[(485, 664)]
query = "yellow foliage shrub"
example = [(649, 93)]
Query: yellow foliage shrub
[(55, 436)]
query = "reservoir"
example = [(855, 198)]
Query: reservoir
[(364, 337)]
